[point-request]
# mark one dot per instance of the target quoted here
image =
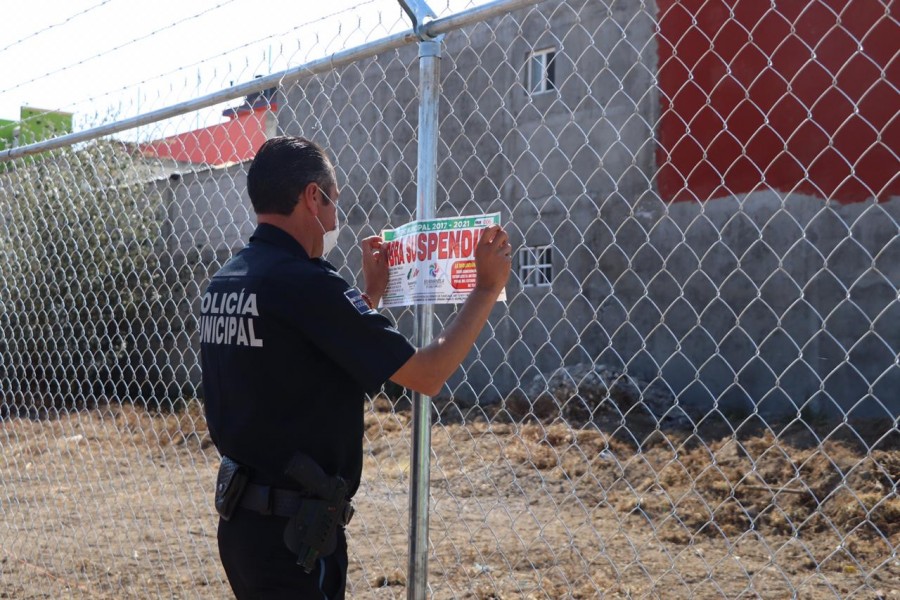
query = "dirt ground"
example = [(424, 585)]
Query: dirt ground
[(116, 503)]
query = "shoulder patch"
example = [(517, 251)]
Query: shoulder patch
[(356, 299)]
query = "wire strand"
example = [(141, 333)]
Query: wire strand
[(119, 47), (49, 27), (185, 68)]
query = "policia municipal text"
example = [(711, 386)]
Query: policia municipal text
[(289, 351)]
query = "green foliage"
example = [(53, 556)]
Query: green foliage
[(78, 275), (35, 125)]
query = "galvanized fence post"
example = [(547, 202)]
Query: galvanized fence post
[(429, 88)]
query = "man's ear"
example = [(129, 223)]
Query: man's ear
[(309, 198)]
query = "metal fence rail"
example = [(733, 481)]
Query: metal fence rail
[(690, 391)]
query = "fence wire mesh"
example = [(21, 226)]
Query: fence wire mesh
[(691, 390)]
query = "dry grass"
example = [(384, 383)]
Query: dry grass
[(116, 503)]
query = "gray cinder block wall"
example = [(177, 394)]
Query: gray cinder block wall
[(770, 302), (208, 218)]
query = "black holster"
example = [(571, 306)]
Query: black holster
[(312, 532), (230, 484)]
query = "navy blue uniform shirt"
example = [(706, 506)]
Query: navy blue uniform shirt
[(289, 351)]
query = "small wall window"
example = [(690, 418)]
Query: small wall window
[(536, 266), (542, 71)]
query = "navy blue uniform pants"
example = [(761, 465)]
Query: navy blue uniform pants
[(260, 567)]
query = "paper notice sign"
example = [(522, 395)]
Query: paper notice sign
[(433, 261)]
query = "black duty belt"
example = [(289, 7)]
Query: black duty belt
[(268, 500)]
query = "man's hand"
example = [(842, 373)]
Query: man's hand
[(428, 369), (374, 268), (493, 259)]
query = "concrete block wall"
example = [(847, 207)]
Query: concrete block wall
[(208, 217), (769, 301)]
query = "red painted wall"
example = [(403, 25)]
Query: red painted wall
[(234, 141), (796, 98)]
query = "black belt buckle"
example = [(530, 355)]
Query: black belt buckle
[(269, 500)]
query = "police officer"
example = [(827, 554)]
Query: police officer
[(289, 351)]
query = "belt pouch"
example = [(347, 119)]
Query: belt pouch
[(230, 484)]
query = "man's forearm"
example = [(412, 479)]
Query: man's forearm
[(453, 344), (432, 365)]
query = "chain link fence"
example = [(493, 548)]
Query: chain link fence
[(692, 389)]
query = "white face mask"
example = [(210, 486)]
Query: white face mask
[(329, 240)]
